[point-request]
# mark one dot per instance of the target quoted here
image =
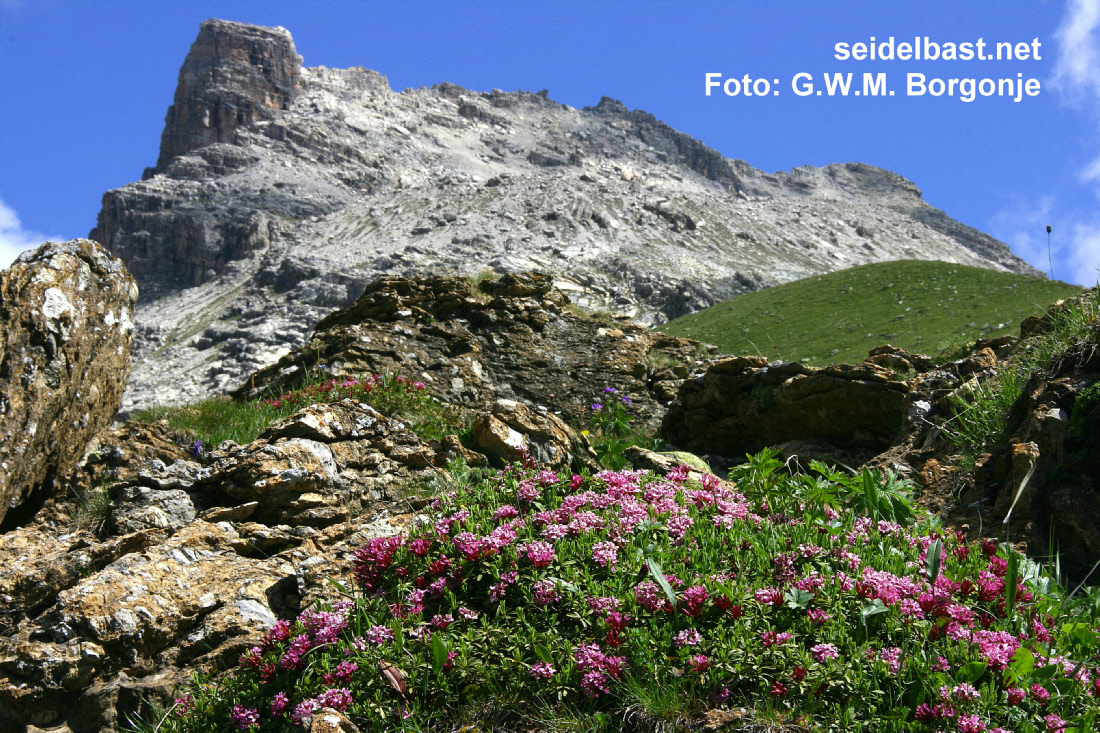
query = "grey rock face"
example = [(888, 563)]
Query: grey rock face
[(234, 75), (329, 179), (65, 334)]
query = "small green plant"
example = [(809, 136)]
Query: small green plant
[(92, 507), (981, 412), (485, 275), (1085, 405), (983, 407), (611, 433)]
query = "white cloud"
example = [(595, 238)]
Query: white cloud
[(1074, 252), (1077, 67), (13, 237), (1074, 244)]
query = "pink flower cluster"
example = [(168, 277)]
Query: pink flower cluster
[(598, 669)]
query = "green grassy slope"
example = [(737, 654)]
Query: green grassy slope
[(922, 306)]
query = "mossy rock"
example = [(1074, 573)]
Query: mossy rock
[(690, 460)]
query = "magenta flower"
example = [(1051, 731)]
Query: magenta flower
[(778, 689), (694, 598), (892, 656), (771, 638), (528, 490), (541, 554), (279, 704), (606, 554), (699, 663), (687, 637), (244, 718), (546, 592), (965, 691), (1016, 695), (970, 724), (1055, 723), (380, 634), (823, 652), (595, 682), (1040, 693), (183, 706), (650, 597), (769, 596), (603, 604), (542, 671), (336, 697)]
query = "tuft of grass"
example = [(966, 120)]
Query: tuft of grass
[(983, 409), (484, 275), (921, 306), (529, 600), (92, 507), (215, 420)]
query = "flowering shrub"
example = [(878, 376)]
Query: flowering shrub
[(529, 595)]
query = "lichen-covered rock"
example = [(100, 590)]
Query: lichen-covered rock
[(743, 404), (317, 465), (65, 335), (510, 429), (516, 340), (188, 600)]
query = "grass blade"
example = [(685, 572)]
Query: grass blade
[(659, 576)]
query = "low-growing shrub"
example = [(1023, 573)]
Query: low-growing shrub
[(532, 600)]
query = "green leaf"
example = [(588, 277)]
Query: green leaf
[(1011, 578), (798, 599), (439, 652), (971, 671), (1044, 674), (1081, 633), (659, 576), (873, 608), (543, 653), (932, 560), (917, 694), (870, 495), (1023, 661)]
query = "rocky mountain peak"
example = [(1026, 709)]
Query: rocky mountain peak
[(234, 75), (281, 192)]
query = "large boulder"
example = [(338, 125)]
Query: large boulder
[(744, 404), (65, 334), (511, 429), (516, 338)]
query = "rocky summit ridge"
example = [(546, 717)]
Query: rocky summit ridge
[(280, 191)]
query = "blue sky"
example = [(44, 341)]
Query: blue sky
[(86, 85)]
